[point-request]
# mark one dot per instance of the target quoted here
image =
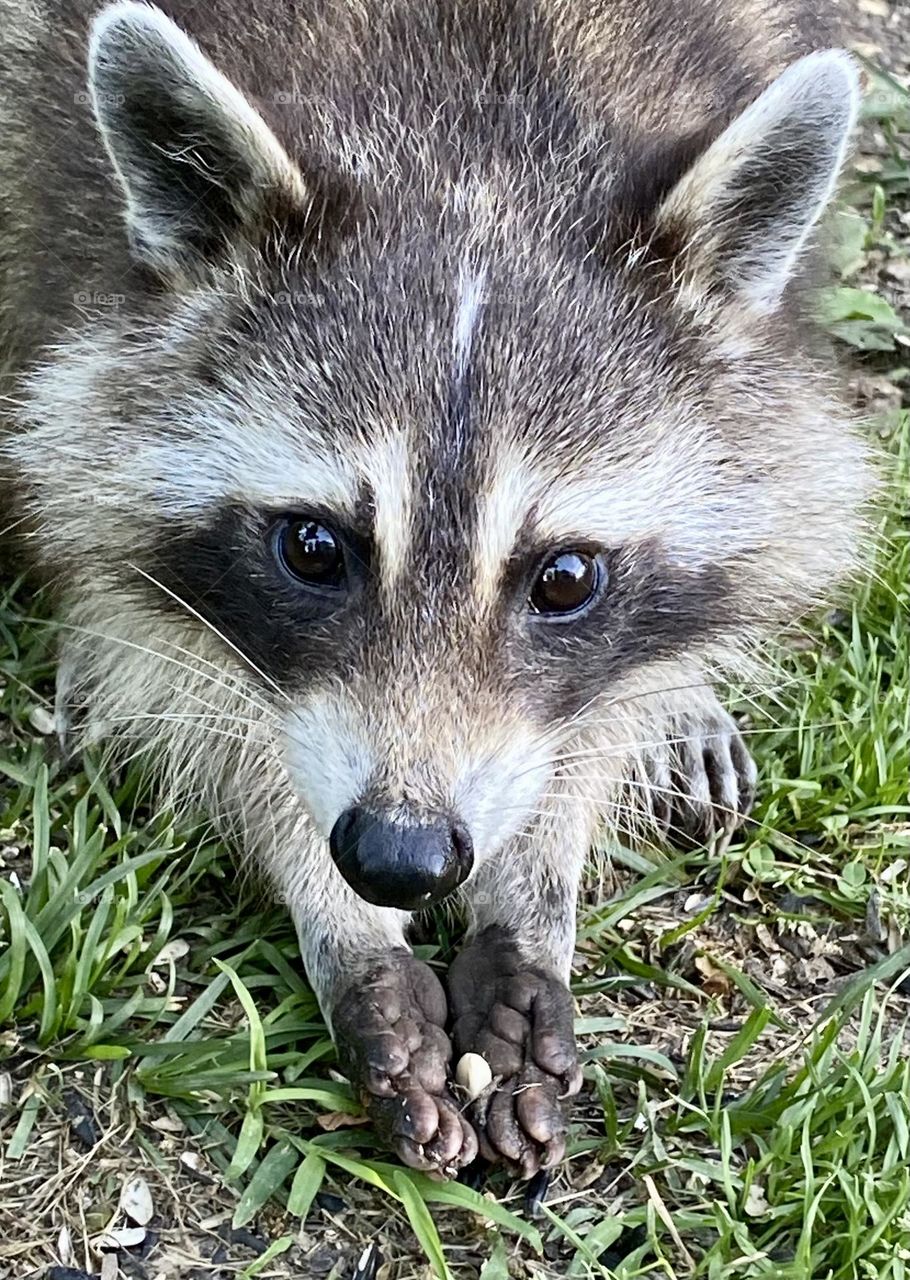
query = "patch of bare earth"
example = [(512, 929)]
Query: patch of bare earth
[(65, 1206)]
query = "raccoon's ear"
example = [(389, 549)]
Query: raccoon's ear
[(198, 165), (746, 208)]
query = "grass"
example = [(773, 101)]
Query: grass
[(747, 1112)]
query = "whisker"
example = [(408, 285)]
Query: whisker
[(178, 717), (267, 711), (237, 690), (631, 749), (607, 805), (247, 661), (15, 525)]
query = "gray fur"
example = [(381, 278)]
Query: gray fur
[(479, 277)]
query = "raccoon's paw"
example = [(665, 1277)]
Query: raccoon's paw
[(701, 783), (390, 1040), (521, 1020)]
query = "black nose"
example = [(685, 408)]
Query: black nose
[(396, 865)]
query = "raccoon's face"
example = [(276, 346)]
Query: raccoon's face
[(449, 475)]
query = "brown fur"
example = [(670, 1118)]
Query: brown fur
[(471, 280)]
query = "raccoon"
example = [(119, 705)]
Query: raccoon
[(416, 408)]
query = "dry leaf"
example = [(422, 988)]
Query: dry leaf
[(895, 936), (588, 1176), (65, 1245), (714, 981), (168, 1124), (119, 1238), (697, 902), (332, 1120), (766, 938), (136, 1201), (813, 972), (172, 951)]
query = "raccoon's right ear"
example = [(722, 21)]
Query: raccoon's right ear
[(199, 166), (745, 210)]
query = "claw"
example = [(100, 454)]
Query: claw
[(702, 781)]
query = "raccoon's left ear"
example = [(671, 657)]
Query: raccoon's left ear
[(198, 165), (746, 208)]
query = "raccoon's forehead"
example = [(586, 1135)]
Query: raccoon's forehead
[(663, 478), (482, 414)]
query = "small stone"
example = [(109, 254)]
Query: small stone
[(242, 1236), (322, 1260), (42, 720), (83, 1125), (473, 1073), (898, 269)]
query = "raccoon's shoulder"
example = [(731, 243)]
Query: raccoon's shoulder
[(678, 67)]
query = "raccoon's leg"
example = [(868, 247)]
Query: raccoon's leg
[(387, 1012), (509, 989), (700, 782)]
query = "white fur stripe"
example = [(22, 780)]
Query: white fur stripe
[(471, 286), (388, 471)]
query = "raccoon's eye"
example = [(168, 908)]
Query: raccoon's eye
[(566, 583), (311, 553)]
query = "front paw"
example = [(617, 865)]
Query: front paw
[(701, 782), (521, 1020), (389, 1032)]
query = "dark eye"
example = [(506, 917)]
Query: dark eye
[(567, 583), (311, 553)]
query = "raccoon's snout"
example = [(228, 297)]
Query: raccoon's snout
[(392, 864)]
